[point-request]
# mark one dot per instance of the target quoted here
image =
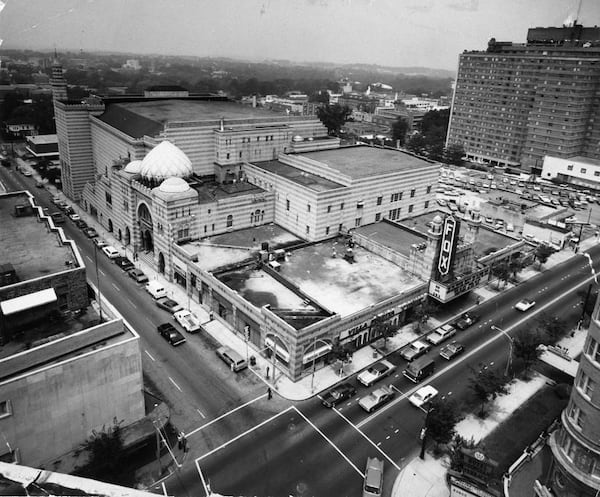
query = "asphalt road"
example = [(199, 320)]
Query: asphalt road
[(274, 448)]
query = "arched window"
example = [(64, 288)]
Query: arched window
[(229, 221)]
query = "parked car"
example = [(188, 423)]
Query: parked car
[(170, 334), (168, 304), (39, 184), (373, 482), (423, 396), (376, 398), (124, 263), (442, 333), (90, 232), (137, 275), (99, 242), (110, 251), (81, 224), (27, 172), (466, 320), (524, 305), (338, 394), (376, 372), (188, 321), (451, 350), (414, 350)]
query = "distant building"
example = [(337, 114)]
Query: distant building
[(62, 373), (43, 146), (132, 64), (515, 103), (575, 467), (579, 171)]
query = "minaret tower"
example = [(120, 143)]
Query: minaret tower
[(58, 81)]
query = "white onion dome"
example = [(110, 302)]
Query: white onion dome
[(297, 138), (166, 161), (133, 167), (437, 220), (174, 185)]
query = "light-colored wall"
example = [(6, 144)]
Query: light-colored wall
[(587, 171)]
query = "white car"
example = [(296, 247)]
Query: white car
[(414, 350), (110, 252), (442, 333), (524, 305), (74, 217), (422, 396), (376, 398), (188, 320), (376, 372)]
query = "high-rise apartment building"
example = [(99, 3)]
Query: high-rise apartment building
[(575, 468), (515, 103)]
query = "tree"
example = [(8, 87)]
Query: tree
[(399, 130), (383, 329), (454, 154), (416, 144), (441, 420), (501, 271), (551, 327), (341, 354), (320, 96), (333, 117), (421, 314), (542, 252), (526, 346), (486, 383), (106, 460)]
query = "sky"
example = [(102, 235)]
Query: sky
[(399, 33)]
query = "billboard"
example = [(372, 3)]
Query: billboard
[(449, 234)]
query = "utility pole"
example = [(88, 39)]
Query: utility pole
[(98, 281)]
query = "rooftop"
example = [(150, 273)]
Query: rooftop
[(362, 161), (586, 160), (298, 176), (211, 191), (397, 237), (42, 139), (32, 249)]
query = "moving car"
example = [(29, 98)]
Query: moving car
[(466, 320), (124, 263), (423, 396), (414, 350), (376, 398), (110, 251), (442, 333), (168, 305), (451, 350), (373, 483), (138, 275), (338, 394), (188, 320), (524, 305), (376, 372), (170, 334)]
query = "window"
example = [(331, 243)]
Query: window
[(213, 226), (340, 227), (342, 206), (410, 208), (240, 154), (329, 208), (327, 230), (379, 200), (205, 228), (308, 207), (592, 350), (229, 221), (378, 216), (583, 170), (108, 197), (585, 384), (412, 193), (426, 205), (357, 221), (287, 205), (228, 155), (307, 229), (429, 189), (10, 456), (569, 168), (5, 408), (576, 416)]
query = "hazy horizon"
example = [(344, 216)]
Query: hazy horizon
[(407, 33)]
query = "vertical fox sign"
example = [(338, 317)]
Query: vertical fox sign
[(447, 248)]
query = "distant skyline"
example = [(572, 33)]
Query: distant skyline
[(426, 33)]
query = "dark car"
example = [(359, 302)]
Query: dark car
[(338, 394), (81, 224), (466, 320), (170, 334), (451, 350), (124, 263), (168, 305), (90, 232)]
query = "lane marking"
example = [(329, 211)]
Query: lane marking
[(224, 415), (453, 365), (367, 438), (330, 442), (207, 490), (101, 272), (201, 414), (250, 430), (115, 287), (150, 355), (397, 430), (89, 259), (176, 385), (132, 304)]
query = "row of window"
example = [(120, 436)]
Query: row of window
[(584, 459), (582, 170), (268, 138)]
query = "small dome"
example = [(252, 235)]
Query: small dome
[(165, 161), (297, 138), (437, 220), (133, 167), (174, 185)]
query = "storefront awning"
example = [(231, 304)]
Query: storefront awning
[(24, 302), (280, 351), (313, 355)]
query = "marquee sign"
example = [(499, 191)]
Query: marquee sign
[(447, 248)]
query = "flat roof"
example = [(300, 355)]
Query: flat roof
[(398, 238), (362, 161), (210, 191), (298, 176), (32, 249), (586, 160), (42, 139)]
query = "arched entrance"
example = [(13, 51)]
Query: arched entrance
[(161, 263), (127, 236), (146, 231), (110, 226)]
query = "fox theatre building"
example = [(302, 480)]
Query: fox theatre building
[(455, 269)]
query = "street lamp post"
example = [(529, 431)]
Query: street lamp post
[(423, 434), (510, 348), (312, 378), (98, 281)]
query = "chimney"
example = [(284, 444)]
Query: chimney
[(253, 101), (222, 124)]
